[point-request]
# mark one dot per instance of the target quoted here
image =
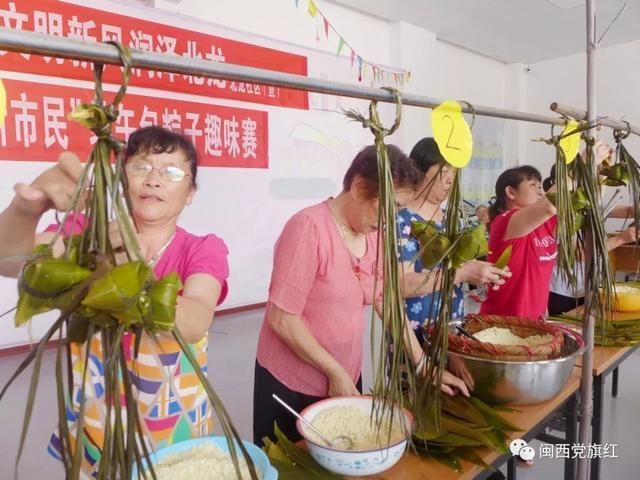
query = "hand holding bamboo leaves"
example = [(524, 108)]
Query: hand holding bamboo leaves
[(53, 188), (107, 416), (465, 249), (628, 235)]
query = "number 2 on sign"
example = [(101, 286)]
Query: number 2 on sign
[(453, 126), (452, 134)]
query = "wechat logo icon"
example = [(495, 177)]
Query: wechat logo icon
[(520, 448)]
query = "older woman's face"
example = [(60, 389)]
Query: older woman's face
[(369, 209), (157, 192)]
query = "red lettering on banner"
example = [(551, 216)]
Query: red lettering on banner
[(55, 17), (36, 127)]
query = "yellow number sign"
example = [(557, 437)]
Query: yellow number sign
[(452, 134), (571, 143), (3, 103)]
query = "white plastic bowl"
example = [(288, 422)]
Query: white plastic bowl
[(352, 462)]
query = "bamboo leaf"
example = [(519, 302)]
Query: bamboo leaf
[(505, 256), (463, 408), (163, 301), (79, 446), (301, 457), (33, 388), (447, 459), (492, 417), (48, 277), (118, 288), (63, 427)]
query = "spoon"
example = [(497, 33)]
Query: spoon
[(341, 442), (467, 334), (485, 346)]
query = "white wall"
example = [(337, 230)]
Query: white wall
[(563, 80), (280, 20), (438, 69)]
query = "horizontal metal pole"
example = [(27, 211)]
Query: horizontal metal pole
[(39, 44), (601, 120)]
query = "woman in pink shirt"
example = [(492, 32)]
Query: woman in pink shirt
[(523, 217), (324, 268), (161, 168)]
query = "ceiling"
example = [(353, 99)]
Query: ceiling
[(513, 31)]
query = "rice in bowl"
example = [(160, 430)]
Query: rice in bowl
[(202, 462), (351, 421), (504, 336)]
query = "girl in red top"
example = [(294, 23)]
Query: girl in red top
[(524, 218)]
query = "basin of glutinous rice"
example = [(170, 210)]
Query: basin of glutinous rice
[(504, 336), (508, 338), (202, 462), (351, 421)]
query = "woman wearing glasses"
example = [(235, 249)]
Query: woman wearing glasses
[(161, 168)]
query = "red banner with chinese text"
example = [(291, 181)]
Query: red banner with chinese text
[(36, 125), (53, 17)]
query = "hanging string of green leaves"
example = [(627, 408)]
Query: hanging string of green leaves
[(98, 297), (631, 173), (566, 227), (394, 373), (593, 238), (427, 405)]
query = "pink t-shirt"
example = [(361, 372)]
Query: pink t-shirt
[(314, 276), (186, 254), (526, 293), (172, 404)]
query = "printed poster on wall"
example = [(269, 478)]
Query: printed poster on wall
[(36, 128)]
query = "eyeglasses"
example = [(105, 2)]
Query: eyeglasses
[(168, 173)]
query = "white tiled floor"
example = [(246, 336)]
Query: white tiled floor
[(231, 360)]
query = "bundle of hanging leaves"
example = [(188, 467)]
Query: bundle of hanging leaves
[(445, 251), (580, 226), (451, 246), (624, 171), (394, 374), (97, 297)]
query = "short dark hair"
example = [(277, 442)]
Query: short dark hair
[(365, 166), (156, 139), (510, 178), (426, 154)]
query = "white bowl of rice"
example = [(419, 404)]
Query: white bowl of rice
[(206, 458), (351, 416)]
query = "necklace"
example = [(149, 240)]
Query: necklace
[(343, 228), (159, 253)]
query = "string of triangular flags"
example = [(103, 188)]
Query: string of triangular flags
[(378, 73)]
